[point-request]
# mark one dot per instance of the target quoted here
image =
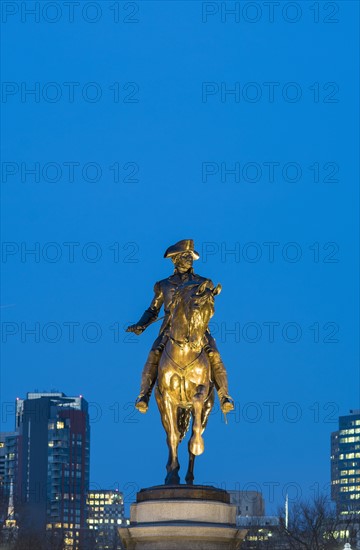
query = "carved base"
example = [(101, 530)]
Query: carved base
[(180, 517)]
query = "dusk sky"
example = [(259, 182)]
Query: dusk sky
[(151, 122)]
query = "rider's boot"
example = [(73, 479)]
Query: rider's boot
[(220, 380), (148, 379)]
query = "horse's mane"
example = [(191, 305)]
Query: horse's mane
[(180, 291)]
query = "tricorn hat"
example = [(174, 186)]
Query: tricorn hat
[(187, 245)]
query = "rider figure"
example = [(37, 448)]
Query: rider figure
[(182, 255)]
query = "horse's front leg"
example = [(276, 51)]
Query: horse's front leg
[(173, 440), (208, 405), (168, 413), (196, 444)]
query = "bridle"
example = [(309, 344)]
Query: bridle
[(186, 340)]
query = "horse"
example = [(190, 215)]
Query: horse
[(184, 387)]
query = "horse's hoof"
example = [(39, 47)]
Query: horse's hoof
[(197, 446), (189, 480), (172, 478)]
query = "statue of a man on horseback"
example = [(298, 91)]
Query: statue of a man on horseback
[(182, 255), (184, 359)]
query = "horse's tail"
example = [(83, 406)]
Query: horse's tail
[(183, 421)]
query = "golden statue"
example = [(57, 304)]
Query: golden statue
[(184, 358)]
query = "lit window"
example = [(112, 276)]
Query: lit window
[(60, 425)]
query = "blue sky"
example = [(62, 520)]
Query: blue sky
[(140, 111)]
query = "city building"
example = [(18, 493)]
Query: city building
[(9, 480), (262, 533), (259, 522), (9, 443), (3, 492), (262, 530), (248, 503), (10, 528), (345, 465), (105, 515), (53, 466)]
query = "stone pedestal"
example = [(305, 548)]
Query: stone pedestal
[(182, 517)]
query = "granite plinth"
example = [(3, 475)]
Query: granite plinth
[(182, 517), (185, 492)]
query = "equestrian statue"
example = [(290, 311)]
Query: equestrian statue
[(184, 361)]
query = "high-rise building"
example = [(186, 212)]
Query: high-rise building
[(105, 515), (3, 496), (345, 464), (54, 465)]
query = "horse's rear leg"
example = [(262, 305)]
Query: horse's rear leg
[(196, 444), (189, 478)]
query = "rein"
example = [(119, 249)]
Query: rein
[(180, 343), (186, 366), (158, 319)]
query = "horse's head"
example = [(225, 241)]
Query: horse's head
[(191, 310)]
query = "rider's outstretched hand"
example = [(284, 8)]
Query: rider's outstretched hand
[(137, 329)]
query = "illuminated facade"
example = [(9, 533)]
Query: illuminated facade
[(105, 515), (345, 464), (54, 466), (262, 532), (9, 452)]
